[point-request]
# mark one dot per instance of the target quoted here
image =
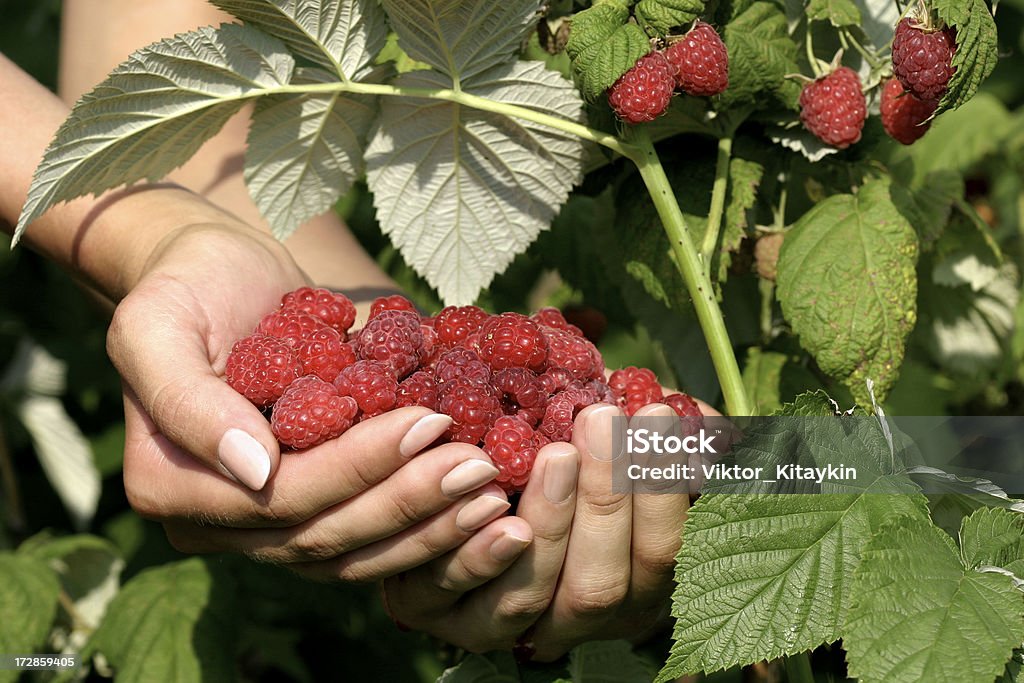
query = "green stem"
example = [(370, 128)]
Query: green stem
[(694, 276), (718, 192), (798, 668)]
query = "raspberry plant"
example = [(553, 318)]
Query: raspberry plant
[(864, 255)]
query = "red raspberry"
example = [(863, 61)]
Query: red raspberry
[(395, 302), (552, 317), (455, 323), (393, 337), (644, 92), (432, 348), (683, 404), (473, 405), (522, 394), (261, 368), (833, 108), (555, 379), (371, 383), (290, 326), (635, 388), (418, 389), (905, 117), (562, 410), (512, 447), (324, 354), (922, 59), (459, 362), (310, 412), (337, 310), (511, 340), (701, 60), (602, 391), (575, 354)]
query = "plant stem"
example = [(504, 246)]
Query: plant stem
[(798, 668), (718, 192), (693, 272), (14, 513)]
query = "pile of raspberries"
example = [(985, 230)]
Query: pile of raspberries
[(511, 383)]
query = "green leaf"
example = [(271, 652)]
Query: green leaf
[(494, 667), (929, 203), (960, 139), (461, 39), (837, 12), (607, 662), (761, 53), (994, 536), (847, 284), (977, 49), (760, 576), (28, 603), (966, 254), (762, 375), (919, 614), (603, 46), (342, 37), (173, 622), (659, 16), (461, 192), (809, 404), (744, 180), (155, 111)]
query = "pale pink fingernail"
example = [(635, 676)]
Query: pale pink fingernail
[(245, 458), (467, 476), (508, 547), (479, 511), (423, 433), (561, 470), (598, 433)]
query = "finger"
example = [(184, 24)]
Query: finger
[(421, 489)]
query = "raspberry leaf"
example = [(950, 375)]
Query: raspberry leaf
[(658, 16), (976, 48), (28, 601), (761, 53), (762, 376), (603, 46), (837, 12), (155, 111), (959, 622), (744, 179), (995, 537), (847, 284)]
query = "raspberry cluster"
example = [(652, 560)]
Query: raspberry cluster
[(696, 63), (511, 383)]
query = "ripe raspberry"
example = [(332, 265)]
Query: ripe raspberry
[(371, 383), (522, 394), (395, 302), (905, 117), (562, 410), (602, 391), (290, 326), (393, 337), (418, 389), (555, 379), (552, 317), (431, 346), (455, 323), (512, 447), (701, 61), (337, 310), (261, 368), (324, 353), (833, 108), (310, 412), (473, 405), (511, 340), (575, 354), (644, 92), (459, 362), (683, 404), (922, 59), (635, 388)]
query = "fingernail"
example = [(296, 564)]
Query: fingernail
[(245, 458), (659, 410), (598, 432), (479, 511), (508, 548), (423, 433), (467, 476), (561, 471)]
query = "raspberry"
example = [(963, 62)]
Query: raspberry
[(455, 323), (371, 383), (473, 405), (683, 404), (459, 362), (833, 108), (555, 379), (905, 117), (643, 93), (922, 59), (512, 447), (602, 391), (552, 317), (324, 353), (395, 302), (261, 368), (310, 412), (431, 346), (290, 326), (701, 61), (337, 310), (393, 337), (572, 353), (418, 389), (522, 394), (511, 340), (635, 387), (562, 410)]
